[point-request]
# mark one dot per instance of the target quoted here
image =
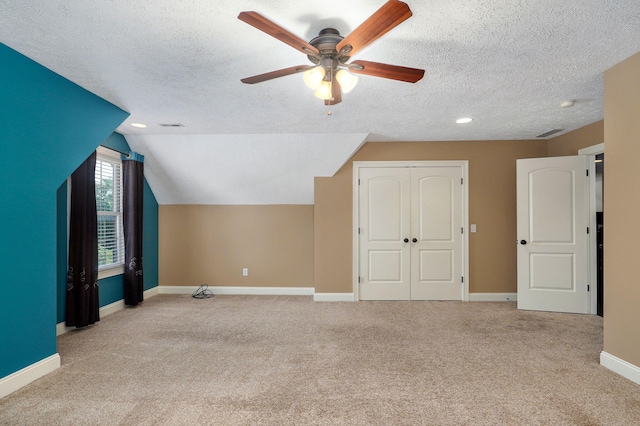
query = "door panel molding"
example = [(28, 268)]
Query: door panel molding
[(464, 167)]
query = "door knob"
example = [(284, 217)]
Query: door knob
[(415, 240), (523, 242), (406, 240)]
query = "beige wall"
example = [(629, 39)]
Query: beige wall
[(622, 207), (311, 246), (204, 244), (570, 143), (492, 207)]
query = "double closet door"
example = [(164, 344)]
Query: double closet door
[(411, 232)]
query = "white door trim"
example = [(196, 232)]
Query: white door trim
[(357, 165), (591, 152)]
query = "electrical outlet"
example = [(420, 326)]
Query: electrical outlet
[(245, 272)]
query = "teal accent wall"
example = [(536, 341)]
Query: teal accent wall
[(61, 250), (50, 125), (150, 239), (112, 288)]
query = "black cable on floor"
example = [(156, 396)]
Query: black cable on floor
[(202, 292)]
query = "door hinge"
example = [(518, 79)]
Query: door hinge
[(462, 279), (462, 230), (358, 231), (588, 287), (461, 181), (358, 279), (587, 229), (587, 172), (358, 181)]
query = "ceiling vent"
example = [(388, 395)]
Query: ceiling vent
[(549, 133), (171, 125)]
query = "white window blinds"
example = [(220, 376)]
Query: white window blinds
[(109, 206)]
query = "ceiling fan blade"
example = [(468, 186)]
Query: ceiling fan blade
[(390, 15), (265, 25), (275, 74), (336, 93), (393, 72)]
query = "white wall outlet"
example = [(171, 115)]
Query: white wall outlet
[(473, 227), (245, 272)]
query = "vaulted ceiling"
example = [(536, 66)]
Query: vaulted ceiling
[(506, 64)]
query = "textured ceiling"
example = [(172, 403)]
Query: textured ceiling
[(507, 64)]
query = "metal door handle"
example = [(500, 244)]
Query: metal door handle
[(406, 240), (415, 240), (523, 242)]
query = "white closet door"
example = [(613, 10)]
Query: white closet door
[(436, 227), (410, 233), (384, 225)]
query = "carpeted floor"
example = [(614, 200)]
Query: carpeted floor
[(276, 360)]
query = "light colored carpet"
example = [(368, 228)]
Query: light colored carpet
[(276, 360)]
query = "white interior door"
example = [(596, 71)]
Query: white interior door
[(552, 227), (410, 237), (384, 225), (436, 233)]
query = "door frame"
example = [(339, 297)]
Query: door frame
[(591, 153), (357, 165)]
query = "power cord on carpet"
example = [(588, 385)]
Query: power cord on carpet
[(202, 292)]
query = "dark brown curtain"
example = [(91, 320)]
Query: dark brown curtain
[(132, 209), (83, 307)]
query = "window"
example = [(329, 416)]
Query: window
[(109, 206)]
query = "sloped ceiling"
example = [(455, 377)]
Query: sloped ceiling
[(241, 169), (506, 64)]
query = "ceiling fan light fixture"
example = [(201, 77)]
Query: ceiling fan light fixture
[(324, 91), (332, 52), (347, 81), (313, 78)]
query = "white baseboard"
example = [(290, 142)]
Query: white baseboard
[(473, 297), (333, 297), (253, 291), (151, 292), (109, 309), (61, 328), (620, 366), (21, 378), (493, 297)]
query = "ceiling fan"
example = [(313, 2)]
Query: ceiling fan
[(330, 53)]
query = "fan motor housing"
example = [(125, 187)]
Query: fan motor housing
[(326, 43)]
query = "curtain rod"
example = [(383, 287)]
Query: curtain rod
[(126, 154)]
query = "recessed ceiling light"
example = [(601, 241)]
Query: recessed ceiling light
[(139, 125), (464, 120)]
